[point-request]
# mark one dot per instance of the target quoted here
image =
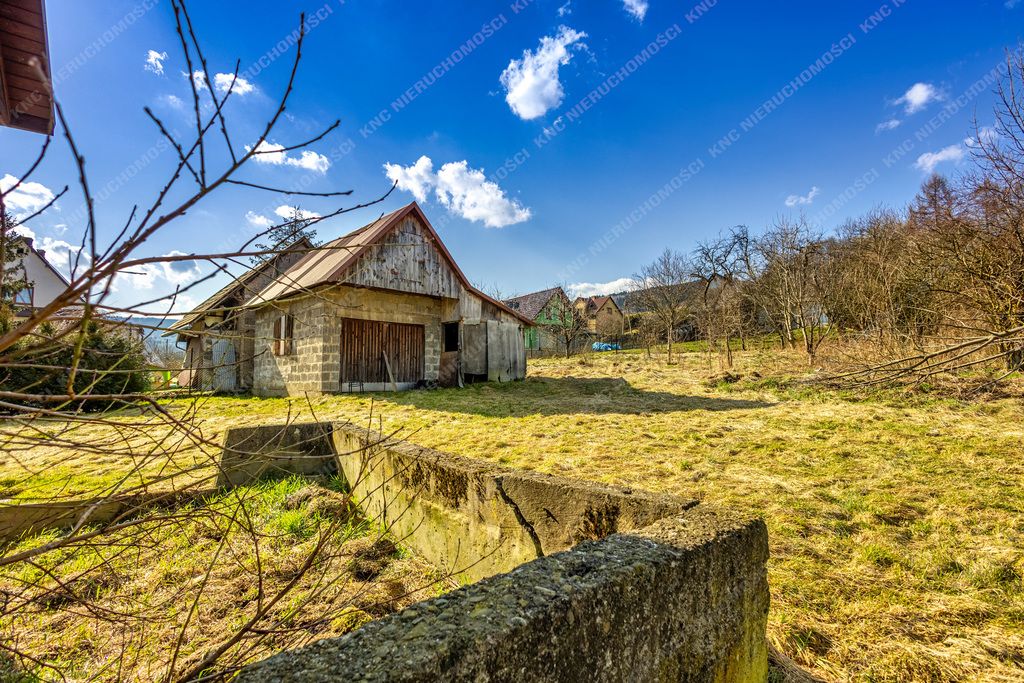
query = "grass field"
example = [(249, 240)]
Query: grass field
[(166, 575), (896, 522)]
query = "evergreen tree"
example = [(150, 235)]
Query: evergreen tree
[(284, 235), (13, 278)]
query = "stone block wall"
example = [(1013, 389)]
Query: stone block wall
[(300, 372), (387, 306), (315, 366)]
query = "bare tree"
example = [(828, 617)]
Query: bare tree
[(964, 241), (791, 271), (883, 284), (721, 317), (661, 291), (163, 459), (563, 322)]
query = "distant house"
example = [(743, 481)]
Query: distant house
[(45, 282), (547, 309), (219, 335), (604, 317), (382, 308)]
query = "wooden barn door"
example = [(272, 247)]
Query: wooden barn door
[(369, 349)]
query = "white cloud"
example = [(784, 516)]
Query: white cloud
[(172, 101), (565, 9), (638, 8), (929, 160), (464, 191), (289, 212), (180, 303), (986, 134), (268, 153), (891, 124), (919, 96), (180, 272), (1010, 4), (59, 253), (797, 200), (274, 154), (222, 82), (148, 275), (531, 84), (28, 198), (258, 220), (155, 62), (198, 79), (138, 278), (24, 231), (63, 255), (468, 193), (311, 161), (419, 179), (623, 284)]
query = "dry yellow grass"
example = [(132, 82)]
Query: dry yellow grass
[(114, 611), (896, 524)]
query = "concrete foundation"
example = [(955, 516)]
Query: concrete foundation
[(475, 519), (578, 582), (684, 600)]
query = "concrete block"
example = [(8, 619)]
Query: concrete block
[(684, 600)]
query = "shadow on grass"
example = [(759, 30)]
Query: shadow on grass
[(563, 396)]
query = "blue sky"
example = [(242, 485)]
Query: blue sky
[(558, 121)]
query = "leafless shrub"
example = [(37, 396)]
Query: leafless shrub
[(93, 573)]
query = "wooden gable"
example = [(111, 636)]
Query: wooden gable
[(407, 259)]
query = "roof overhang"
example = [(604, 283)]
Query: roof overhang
[(26, 87), (378, 229)]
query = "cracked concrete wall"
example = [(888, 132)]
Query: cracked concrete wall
[(685, 599), (477, 519), (297, 448), (574, 581)]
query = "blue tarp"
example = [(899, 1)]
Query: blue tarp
[(602, 346)]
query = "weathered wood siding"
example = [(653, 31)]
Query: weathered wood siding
[(407, 260), (405, 280), (506, 353), (374, 352)]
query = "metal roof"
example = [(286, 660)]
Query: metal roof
[(330, 263), (216, 301)]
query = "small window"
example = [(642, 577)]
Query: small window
[(23, 297), (284, 331), (451, 337)]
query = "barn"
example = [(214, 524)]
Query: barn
[(382, 308)]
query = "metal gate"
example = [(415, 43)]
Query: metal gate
[(224, 368)]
